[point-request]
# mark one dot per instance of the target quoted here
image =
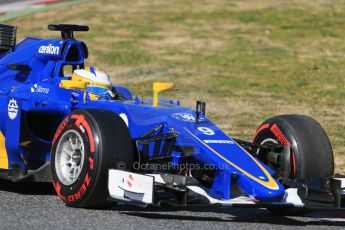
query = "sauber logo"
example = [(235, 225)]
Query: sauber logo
[(12, 109), (188, 117), (39, 89), (49, 49)]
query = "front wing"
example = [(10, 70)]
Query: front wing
[(167, 190)]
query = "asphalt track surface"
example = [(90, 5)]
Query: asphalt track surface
[(36, 206)]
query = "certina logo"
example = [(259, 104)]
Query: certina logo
[(186, 117), (12, 109), (49, 49), (219, 142), (39, 89)]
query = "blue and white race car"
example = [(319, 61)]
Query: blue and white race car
[(66, 123)]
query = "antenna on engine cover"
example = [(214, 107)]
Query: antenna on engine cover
[(200, 110), (68, 29)]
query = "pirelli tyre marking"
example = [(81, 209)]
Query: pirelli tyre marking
[(75, 147)]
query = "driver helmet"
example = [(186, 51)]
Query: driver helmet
[(97, 82)]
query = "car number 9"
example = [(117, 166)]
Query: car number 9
[(206, 131)]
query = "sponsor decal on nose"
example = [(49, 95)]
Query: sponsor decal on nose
[(219, 142)]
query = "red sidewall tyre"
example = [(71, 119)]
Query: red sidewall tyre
[(106, 142), (311, 150)]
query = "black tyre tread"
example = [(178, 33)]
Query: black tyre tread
[(311, 141), (314, 156), (311, 138), (113, 145)]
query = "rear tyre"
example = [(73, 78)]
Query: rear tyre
[(86, 145), (311, 150)]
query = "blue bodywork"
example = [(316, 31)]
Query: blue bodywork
[(32, 104)]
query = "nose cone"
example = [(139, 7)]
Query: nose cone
[(269, 194), (261, 190)]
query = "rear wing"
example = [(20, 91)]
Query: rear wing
[(8, 35)]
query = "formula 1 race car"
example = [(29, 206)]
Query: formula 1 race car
[(65, 123)]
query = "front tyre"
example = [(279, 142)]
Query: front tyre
[(310, 149), (86, 145)]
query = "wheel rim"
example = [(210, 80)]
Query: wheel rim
[(269, 164), (267, 140), (69, 158)]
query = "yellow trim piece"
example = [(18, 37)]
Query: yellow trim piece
[(159, 87), (69, 84), (93, 96), (271, 183), (3, 153), (76, 77)]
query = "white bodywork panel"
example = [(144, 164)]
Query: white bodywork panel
[(128, 186), (291, 197), (237, 200)]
